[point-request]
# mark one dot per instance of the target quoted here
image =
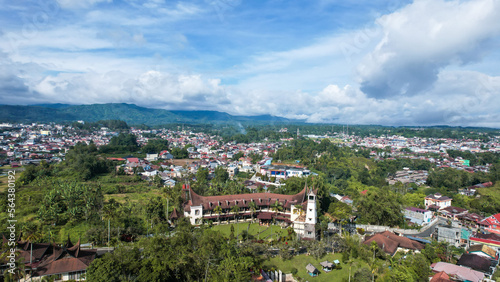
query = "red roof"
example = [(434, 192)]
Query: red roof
[(390, 242), (492, 220), (242, 200), (441, 277)]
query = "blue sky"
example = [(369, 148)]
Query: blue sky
[(422, 62)]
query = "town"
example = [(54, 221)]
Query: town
[(263, 195)]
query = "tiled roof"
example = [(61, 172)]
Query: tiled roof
[(482, 248), (438, 197), (458, 271), (390, 242), (454, 210), (242, 200), (441, 277), (475, 262)]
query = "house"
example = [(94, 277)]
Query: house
[(492, 223), (449, 234), (478, 263), (483, 250), (491, 240), (313, 271), (441, 277), (418, 216), (297, 210), (66, 263), (391, 243), (166, 155), (457, 272), (327, 266), (453, 212), (437, 201), (151, 157)]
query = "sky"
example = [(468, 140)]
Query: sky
[(422, 62)]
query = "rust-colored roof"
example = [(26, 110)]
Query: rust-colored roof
[(242, 200), (390, 242), (174, 215), (441, 277), (65, 260)]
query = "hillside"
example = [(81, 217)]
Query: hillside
[(132, 114)]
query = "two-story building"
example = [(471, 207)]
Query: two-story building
[(418, 216), (437, 201), (297, 210)]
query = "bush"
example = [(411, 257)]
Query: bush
[(294, 271)]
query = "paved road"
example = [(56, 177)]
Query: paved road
[(428, 232)]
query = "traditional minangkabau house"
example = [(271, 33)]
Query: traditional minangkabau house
[(297, 210), (68, 262)]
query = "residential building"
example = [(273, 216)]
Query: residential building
[(492, 223), (457, 272), (437, 201), (391, 243), (418, 216)]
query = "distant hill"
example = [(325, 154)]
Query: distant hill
[(132, 114)]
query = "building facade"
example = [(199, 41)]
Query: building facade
[(298, 211), (418, 216), (437, 201)]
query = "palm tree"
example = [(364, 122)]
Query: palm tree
[(218, 211), (253, 207), (298, 209), (276, 207), (235, 209)]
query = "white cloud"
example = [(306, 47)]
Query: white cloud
[(80, 4), (423, 38)]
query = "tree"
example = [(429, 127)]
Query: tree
[(218, 211), (122, 265), (235, 210), (381, 208), (155, 146), (253, 207)]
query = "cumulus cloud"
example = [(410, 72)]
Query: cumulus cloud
[(423, 38)]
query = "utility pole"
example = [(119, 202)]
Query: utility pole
[(31, 262), (109, 228)]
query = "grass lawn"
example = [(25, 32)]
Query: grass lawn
[(253, 230), (301, 261)]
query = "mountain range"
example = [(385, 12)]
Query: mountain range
[(130, 113)]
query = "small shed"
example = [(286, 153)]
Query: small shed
[(313, 271), (327, 266)]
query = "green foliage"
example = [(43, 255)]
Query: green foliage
[(189, 255), (33, 172), (179, 153), (123, 143), (83, 163), (155, 146), (65, 202), (122, 265), (340, 211), (381, 207)]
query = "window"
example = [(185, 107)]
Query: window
[(311, 198), (309, 233), (310, 210), (197, 212), (310, 219)]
